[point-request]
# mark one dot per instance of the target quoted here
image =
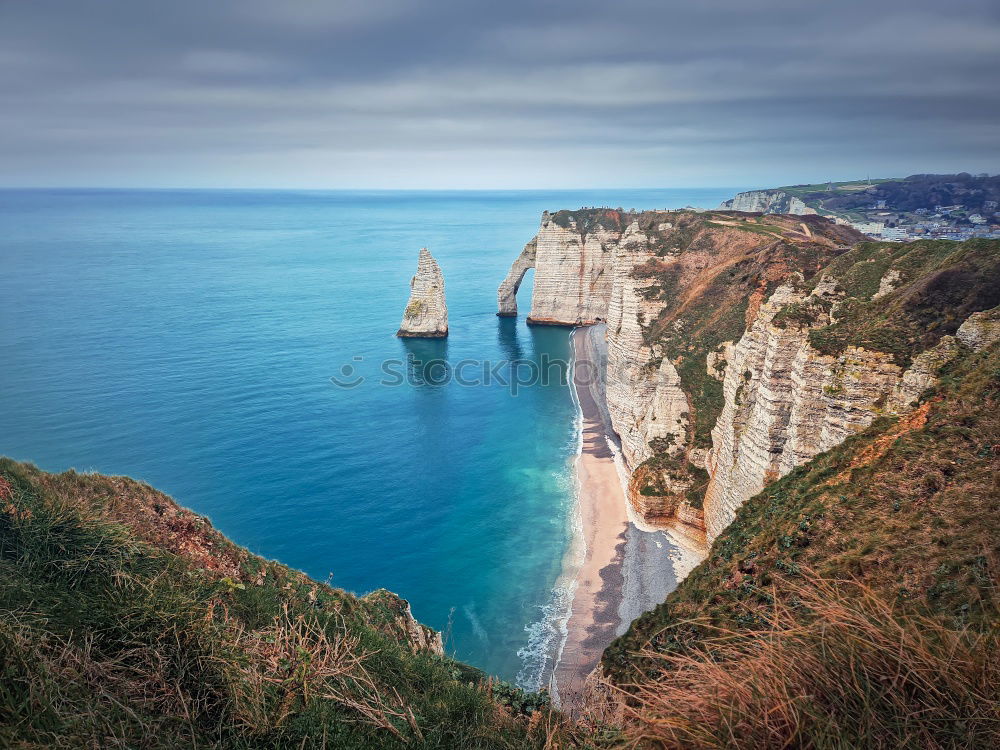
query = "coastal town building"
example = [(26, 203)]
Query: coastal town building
[(872, 228)]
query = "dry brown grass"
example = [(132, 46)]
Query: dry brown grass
[(853, 672), (296, 660)]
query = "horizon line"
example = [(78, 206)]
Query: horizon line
[(374, 189)]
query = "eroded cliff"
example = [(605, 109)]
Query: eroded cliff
[(741, 346)]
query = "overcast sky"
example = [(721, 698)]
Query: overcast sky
[(502, 94)]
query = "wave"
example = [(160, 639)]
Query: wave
[(547, 635)]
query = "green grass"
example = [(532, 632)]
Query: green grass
[(801, 191), (769, 230), (591, 219), (126, 621), (940, 284)]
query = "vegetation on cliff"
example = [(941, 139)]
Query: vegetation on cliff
[(719, 267), (127, 621), (852, 603), (904, 194), (712, 271), (935, 285)]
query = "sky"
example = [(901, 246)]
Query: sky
[(507, 94)]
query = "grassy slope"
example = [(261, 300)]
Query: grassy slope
[(908, 507), (940, 283), (126, 620), (850, 199)]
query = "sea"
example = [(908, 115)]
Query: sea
[(236, 350)]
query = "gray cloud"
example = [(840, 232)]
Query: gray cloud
[(401, 93)]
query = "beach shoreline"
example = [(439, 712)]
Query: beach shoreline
[(603, 524), (615, 569)]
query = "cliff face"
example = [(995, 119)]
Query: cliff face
[(767, 202), (739, 347), (648, 406), (426, 314), (644, 390), (785, 402), (572, 257)]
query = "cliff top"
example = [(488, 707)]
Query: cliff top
[(919, 191), (130, 621)]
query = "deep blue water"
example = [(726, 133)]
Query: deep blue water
[(188, 338)]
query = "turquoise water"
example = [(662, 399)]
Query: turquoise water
[(188, 338)]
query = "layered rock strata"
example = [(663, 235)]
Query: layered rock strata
[(647, 404), (426, 314), (767, 202), (785, 402), (714, 384)]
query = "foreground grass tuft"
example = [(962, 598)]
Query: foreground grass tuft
[(841, 667)]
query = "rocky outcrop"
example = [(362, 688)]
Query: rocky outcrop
[(417, 636), (887, 284), (507, 293), (785, 402), (426, 314), (572, 261), (980, 330), (767, 202)]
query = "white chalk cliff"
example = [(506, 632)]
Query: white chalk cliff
[(507, 293), (572, 265), (426, 314), (767, 202), (785, 402), (782, 401)]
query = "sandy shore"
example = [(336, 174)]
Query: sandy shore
[(594, 619), (625, 570)]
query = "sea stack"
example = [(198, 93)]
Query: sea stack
[(426, 314)]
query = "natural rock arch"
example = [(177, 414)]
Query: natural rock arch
[(507, 293)]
